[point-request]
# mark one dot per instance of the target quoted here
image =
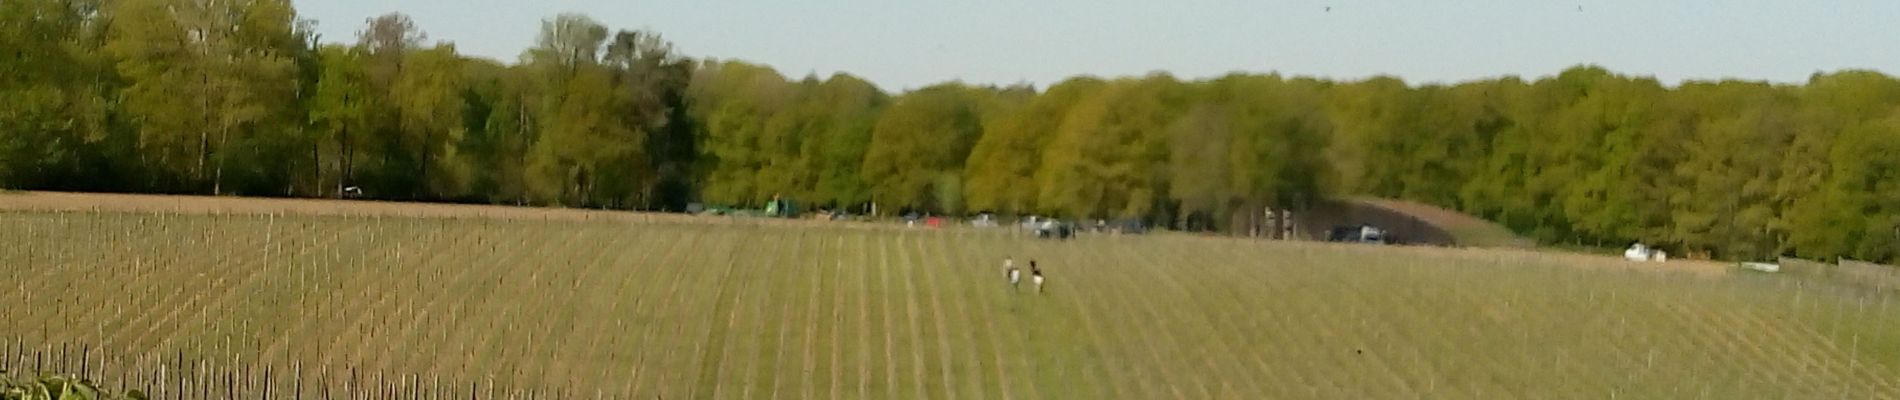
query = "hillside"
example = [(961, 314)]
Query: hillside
[(1432, 224), (430, 307)]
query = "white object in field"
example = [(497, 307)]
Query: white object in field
[(1636, 252), (1641, 252), (1038, 280), (1015, 276), (1763, 267), (984, 220)]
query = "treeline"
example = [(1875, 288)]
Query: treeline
[(239, 97)]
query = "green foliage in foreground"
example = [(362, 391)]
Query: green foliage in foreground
[(57, 387), (179, 96)]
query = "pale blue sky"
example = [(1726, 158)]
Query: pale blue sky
[(908, 44)]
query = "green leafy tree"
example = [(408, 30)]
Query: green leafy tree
[(1825, 211), (231, 61), (732, 103), (1200, 166), (55, 95), (500, 130), (389, 163), (582, 142), (844, 109), (427, 98), (1726, 206), (653, 79), (1105, 160), (924, 135), (1001, 170), (1616, 161), (342, 107)]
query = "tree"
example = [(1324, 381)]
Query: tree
[(568, 41), (1279, 123), (1617, 160), (653, 79), (1825, 211), (844, 110), (1104, 161), (427, 97), (1001, 170), (732, 103), (390, 161), (923, 136), (343, 105), (55, 96), (500, 131), (1200, 164), (387, 41), (1725, 203), (1371, 118), (232, 60)]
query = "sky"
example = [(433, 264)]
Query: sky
[(908, 44)]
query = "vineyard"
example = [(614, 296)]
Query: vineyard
[(259, 305)]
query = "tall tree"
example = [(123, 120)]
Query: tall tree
[(427, 98), (1105, 160), (1199, 166), (732, 102), (55, 95), (568, 41), (653, 79), (501, 130), (1001, 172), (1279, 124), (1826, 210), (843, 111), (232, 60), (924, 136), (387, 40), (342, 106), (1725, 204)]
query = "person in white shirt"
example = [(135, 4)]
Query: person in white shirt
[(1035, 276), (1015, 275)]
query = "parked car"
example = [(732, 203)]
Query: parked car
[(1055, 229), (1358, 234), (1642, 252), (1131, 226), (1031, 223), (984, 220)]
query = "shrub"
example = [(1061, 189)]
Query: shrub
[(57, 387)]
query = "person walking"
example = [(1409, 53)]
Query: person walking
[(1035, 276), (1014, 275)]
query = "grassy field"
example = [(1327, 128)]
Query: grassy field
[(683, 308)]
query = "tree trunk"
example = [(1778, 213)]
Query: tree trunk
[(348, 162), (204, 137), (316, 168), (422, 175), (217, 181), (204, 157)]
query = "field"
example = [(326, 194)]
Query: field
[(195, 300)]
